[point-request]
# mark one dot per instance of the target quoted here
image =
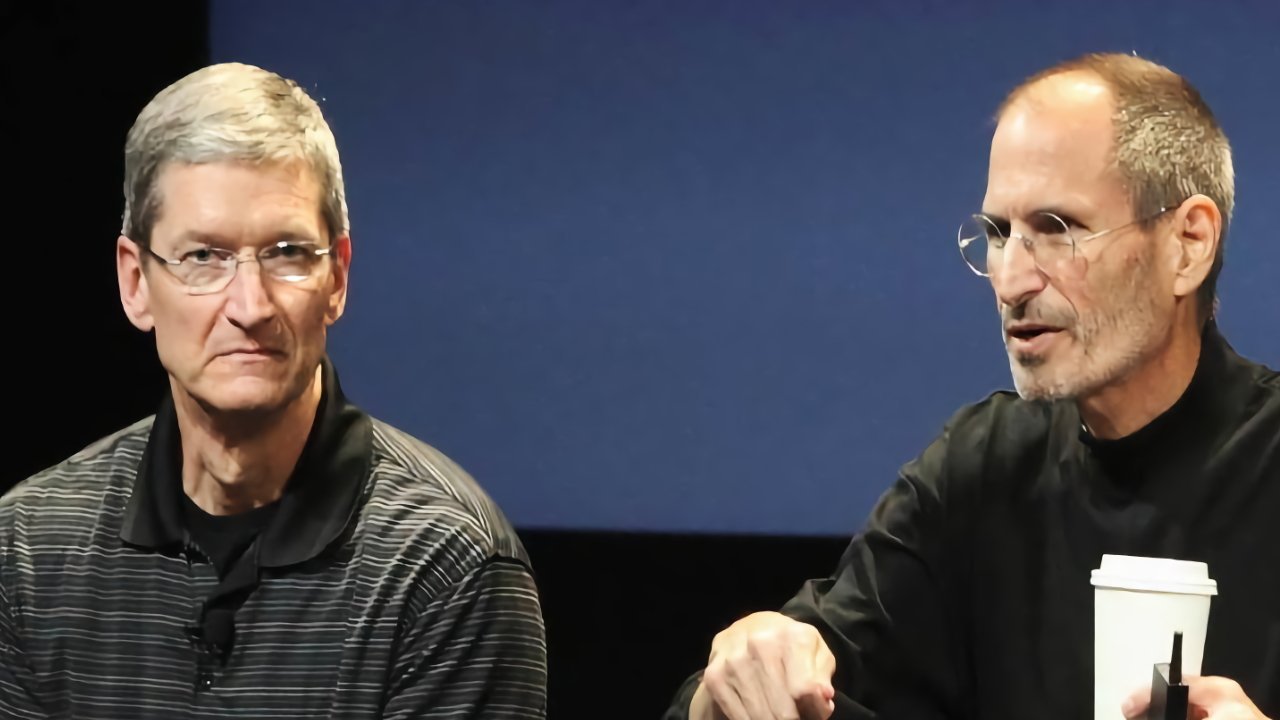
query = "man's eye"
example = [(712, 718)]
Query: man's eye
[(201, 256)]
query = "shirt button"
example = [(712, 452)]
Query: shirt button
[(206, 681)]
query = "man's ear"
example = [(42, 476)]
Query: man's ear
[(135, 295), (341, 268), (1197, 229)]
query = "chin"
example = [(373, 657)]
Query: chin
[(244, 403), (1038, 378), (1064, 379), (1032, 387), (247, 395)]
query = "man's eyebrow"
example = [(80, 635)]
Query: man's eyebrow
[(295, 236), (1067, 216), (196, 237)]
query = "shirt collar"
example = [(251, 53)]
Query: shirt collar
[(319, 501)]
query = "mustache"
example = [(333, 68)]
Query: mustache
[(1037, 312)]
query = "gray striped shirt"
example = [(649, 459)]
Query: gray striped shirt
[(388, 586)]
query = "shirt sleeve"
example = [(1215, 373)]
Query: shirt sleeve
[(891, 611), (476, 651)]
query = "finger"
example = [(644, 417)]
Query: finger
[(773, 678), (1234, 712), (824, 664), (803, 678), (746, 682), (723, 696), (809, 667), (1219, 696), (1137, 703), (816, 708)]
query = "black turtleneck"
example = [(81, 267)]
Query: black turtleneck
[(968, 595)]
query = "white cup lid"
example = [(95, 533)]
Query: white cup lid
[(1128, 572)]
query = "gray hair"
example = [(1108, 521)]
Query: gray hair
[(1168, 145), (228, 113)]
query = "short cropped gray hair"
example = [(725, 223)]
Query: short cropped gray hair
[(1168, 144), (228, 113)]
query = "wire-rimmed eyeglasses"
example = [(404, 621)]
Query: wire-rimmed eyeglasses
[(206, 270), (1049, 239)]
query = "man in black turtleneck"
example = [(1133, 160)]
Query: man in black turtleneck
[(1136, 430)]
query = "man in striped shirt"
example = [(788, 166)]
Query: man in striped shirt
[(260, 547)]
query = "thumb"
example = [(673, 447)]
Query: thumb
[(1136, 704), (824, 666), (812, 708)]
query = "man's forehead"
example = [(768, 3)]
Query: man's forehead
[(290, 170), (222, 196), (284, 187), (1052, 142), (1071, 113), (1076, 87)]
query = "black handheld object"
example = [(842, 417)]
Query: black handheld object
[(1168, 694)]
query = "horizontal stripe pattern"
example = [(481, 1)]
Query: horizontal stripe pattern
[(426, 609)]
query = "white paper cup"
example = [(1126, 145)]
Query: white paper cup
[(1138, 604)]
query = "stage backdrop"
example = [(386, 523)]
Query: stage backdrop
[(692, 265)]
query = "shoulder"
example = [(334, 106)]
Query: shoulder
[(1254, 392), (1001, 424), (1267, 383), (1266, 379), (1001, 440), (420, 502), (74, 491)]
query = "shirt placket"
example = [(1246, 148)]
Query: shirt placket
[(206, 663)]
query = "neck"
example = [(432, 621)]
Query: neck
[(1131, 403), (234, 462)]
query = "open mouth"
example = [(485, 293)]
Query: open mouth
[(1030, 332)]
